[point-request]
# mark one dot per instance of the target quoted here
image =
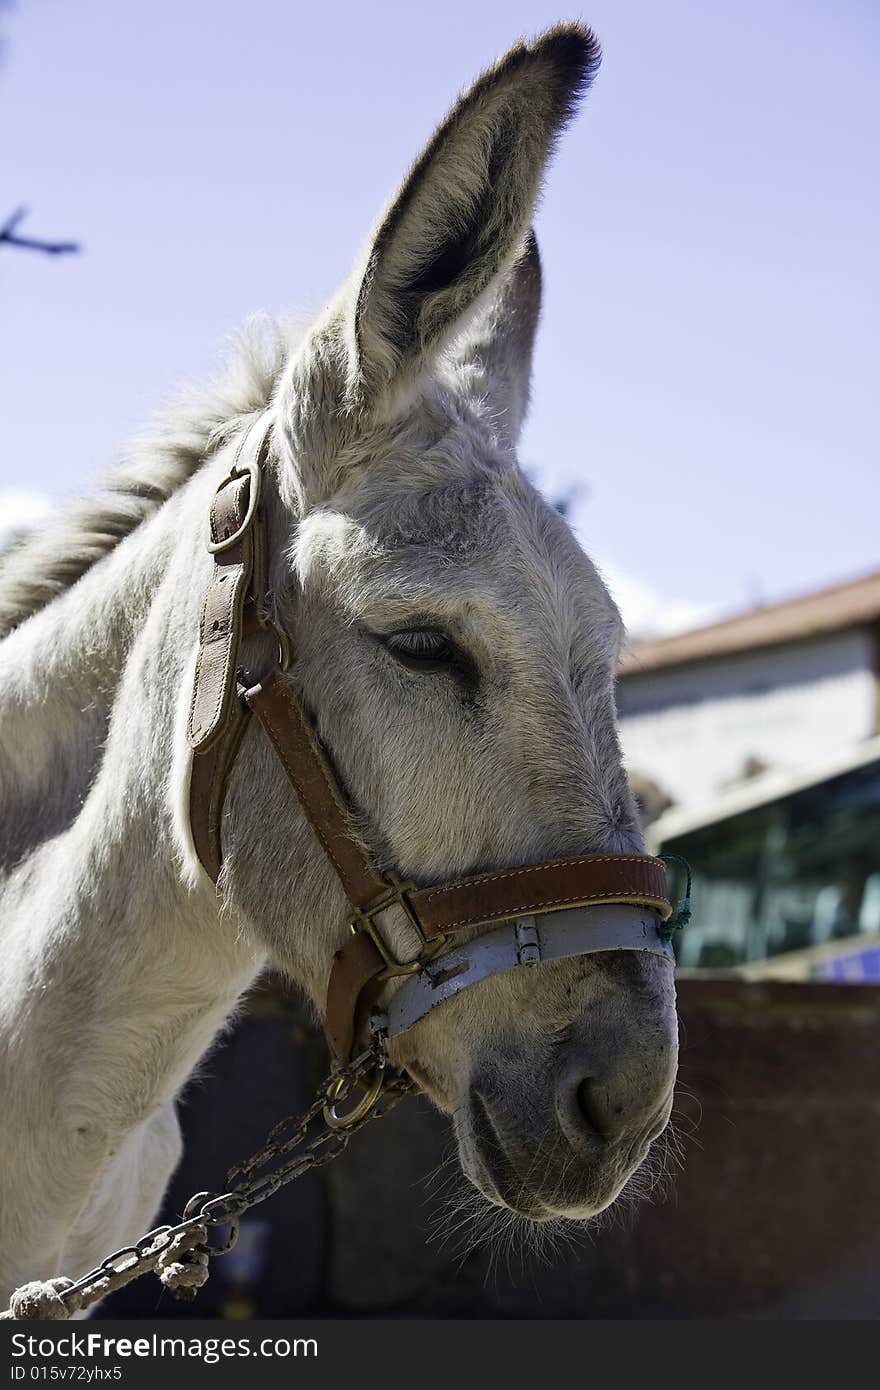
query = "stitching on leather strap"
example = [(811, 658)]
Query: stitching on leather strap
[(192, 704), (633, 895), (197, 678), (548, 867)]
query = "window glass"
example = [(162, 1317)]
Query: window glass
[(796, 873)]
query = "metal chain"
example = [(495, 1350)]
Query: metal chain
[(286, 1155)]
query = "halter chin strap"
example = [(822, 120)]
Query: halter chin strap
[(550, 910)]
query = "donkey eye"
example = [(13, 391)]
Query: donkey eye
[(421, 647)]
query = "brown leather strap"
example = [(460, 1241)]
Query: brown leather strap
[(210, 770), (553, 884), (305, 762), (354, 980), (232, 607), (221, 617)]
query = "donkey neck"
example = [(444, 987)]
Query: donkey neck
[(59, 672), (115, 972)]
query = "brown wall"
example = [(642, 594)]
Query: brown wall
[(775, 1213)]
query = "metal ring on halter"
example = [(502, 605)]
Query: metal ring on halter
[(256, 477), (363, 1107)]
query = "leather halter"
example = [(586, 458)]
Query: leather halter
[(556, 908)]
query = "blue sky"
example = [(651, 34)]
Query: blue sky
[(707, 367)]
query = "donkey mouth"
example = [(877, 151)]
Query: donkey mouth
[(492, 1169), (579, 1196)]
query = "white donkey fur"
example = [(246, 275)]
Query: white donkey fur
[(394, 502)]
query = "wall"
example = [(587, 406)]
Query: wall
[(772, 1214)]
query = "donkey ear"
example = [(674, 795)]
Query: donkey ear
[(497, 349), (462, 214)]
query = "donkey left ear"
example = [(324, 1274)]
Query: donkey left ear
[(462, 216)]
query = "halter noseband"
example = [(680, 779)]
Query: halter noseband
[(545, 911)]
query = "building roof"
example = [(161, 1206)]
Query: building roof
[(828, 610), (773, 785)]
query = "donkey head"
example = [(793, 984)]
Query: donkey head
[(457, 650)]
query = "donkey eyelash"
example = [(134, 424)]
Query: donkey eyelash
[(423, 647)]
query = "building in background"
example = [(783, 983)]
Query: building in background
[(753, 750), (784, 688), (786, 874)]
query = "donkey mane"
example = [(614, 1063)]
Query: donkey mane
[(42, 564)]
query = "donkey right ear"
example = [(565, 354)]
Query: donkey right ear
[(499, 344), (463, 213)]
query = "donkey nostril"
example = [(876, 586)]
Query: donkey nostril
[(614, 1100), (589, 1109), (597, 1108), (599, 1103), (592, 1108)]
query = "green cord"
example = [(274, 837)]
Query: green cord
[(682, 914)]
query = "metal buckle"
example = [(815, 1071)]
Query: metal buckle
[(362, 921), (256, 477)]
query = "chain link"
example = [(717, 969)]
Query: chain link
[(287, 1154)]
